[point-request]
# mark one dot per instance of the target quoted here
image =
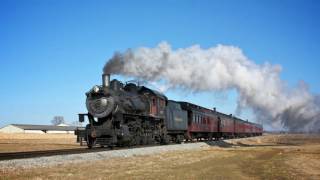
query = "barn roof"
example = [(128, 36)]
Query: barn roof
[(45, 127)]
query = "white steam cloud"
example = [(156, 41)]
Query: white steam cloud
[(222, 68)]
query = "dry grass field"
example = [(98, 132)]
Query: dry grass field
[(35, 142), (266, 157)]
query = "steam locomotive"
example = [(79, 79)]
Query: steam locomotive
[(129, 114)]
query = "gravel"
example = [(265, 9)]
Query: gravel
[(92, 156)]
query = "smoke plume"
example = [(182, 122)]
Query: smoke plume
[(222, 68)]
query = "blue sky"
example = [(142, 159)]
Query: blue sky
[(52, 52)]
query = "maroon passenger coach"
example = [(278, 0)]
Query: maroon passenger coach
[(205, 123)]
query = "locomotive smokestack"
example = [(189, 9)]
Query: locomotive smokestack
[(105, 80)]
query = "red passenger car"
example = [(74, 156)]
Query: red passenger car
[(205, 123)]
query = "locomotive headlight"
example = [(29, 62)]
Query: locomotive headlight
[(96, 89)]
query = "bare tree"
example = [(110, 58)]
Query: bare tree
[(57, 120)]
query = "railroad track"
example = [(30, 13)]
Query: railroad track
[(45, 153), (33, 154)]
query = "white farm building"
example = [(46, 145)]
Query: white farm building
[(41, 129)]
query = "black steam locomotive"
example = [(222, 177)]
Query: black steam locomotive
[(128, 114)]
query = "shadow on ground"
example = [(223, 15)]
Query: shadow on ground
[(224, 144)]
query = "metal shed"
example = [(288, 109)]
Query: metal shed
[(29, 128)]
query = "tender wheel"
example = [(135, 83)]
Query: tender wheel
[(179, 139)]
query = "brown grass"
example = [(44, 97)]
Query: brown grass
[(34, 142), (268, 157)]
